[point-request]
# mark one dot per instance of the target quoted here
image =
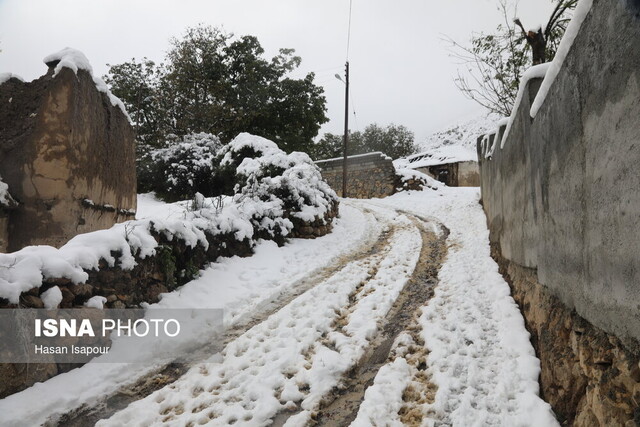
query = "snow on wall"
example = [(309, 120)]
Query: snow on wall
[(76, 60), (583, 8), (547, 71), (4, 77)]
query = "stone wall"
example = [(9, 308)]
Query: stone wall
[(368, 175), (68, 156), (562, 198)]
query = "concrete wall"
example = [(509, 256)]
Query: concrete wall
[(68, 157), (368, 175), (563, 195)]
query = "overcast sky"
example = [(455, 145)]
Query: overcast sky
[(401, 70)]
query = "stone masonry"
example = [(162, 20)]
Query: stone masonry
[(368, 175)]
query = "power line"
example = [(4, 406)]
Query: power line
[(349, 30)]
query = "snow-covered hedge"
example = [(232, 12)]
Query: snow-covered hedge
[(185, 167)]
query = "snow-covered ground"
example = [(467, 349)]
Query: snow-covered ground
[(480, 357), (239, 285), (313, 307)]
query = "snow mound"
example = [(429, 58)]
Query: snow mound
[(411, 179), (76, 60), (4, 77)]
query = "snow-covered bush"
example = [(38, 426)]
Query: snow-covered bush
[(185, 167), (284, 191)]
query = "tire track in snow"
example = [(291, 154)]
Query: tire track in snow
[(403, 315), (283, 362)]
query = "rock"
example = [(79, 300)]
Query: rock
[(117, 305), (82, 290), (28, 300)]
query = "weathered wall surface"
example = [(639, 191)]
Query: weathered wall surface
[(62, 143), (368, 175), (457, 174), (468, 174), (562, 196)]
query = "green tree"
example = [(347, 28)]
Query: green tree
[(393, 140), (216, 83), (139, 86), (494, 63)]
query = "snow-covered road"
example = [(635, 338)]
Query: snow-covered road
[(302, 318)]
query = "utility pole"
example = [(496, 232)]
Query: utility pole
[(346, 132)]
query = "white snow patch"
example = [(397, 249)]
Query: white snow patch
[(96, 302), (383, 400), (357, 156), (536, 72), (550, 70), (455, 143), (5, 197), (4, 77), (241, 286), (287, 351), (52, 297)]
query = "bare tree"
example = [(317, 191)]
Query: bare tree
[(494, 63)]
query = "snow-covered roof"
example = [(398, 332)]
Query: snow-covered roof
[(442, 156), (455, 143)]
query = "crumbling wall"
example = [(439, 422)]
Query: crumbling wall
[(368, 175), (68, 156), (562, 198)]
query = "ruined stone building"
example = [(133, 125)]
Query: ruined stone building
[(67, 156)]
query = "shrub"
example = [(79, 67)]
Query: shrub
[(186, 166), (280, 191)]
